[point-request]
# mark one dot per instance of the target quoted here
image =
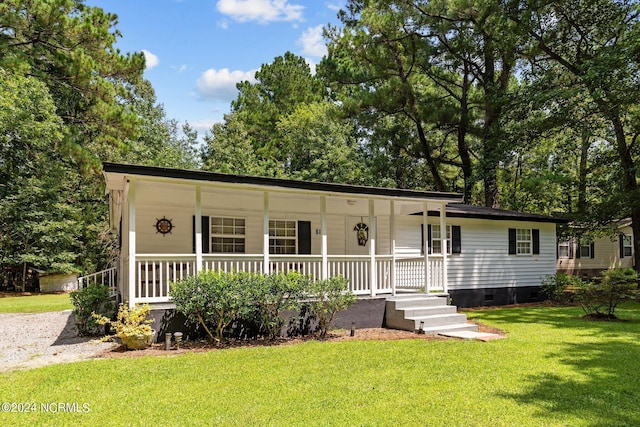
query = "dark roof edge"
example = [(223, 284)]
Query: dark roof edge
[(478, 212), (161, 172)]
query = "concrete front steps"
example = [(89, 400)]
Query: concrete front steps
[(406, 313)]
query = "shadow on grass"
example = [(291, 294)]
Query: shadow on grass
[(603, 390)]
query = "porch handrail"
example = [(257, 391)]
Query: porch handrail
[(106, 277)]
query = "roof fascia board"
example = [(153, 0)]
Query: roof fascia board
[(212, 179)]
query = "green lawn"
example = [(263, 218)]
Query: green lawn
[(35, 303), (554, 369)]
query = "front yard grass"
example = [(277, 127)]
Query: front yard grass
[(554, 369), (39, 303)]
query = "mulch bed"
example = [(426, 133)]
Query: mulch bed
[(381, 334)]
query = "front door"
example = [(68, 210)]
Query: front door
[(359, 235)]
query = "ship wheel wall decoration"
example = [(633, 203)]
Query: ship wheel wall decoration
[(164, 226)]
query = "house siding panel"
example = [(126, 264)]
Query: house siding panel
[(607, 256)]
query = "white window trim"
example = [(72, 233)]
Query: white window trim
[(567, 244), (273, 237), (448, 239), (529, 241), (213, 235), (627, 238)]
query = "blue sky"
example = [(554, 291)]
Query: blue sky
[(197, 50)]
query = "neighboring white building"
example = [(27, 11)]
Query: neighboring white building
[(587, 258), (174, 223)]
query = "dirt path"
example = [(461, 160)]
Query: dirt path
[(40, 339)]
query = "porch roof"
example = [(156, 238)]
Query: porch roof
[(160, 173)]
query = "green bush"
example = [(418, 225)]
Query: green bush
[(600, 297), (560, 287), (214, 299), (235, 303), (327, 297), (276, 293), (92, 299)]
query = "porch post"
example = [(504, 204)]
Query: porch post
[(425, 245), (132, 243), (265, 233), (372, 249), (198, 224), (443, 235), (392, 232), (323, 248)]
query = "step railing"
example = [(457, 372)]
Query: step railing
[(108, 277)]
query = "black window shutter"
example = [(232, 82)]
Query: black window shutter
[(570, 245), (205, 234), (535, 234), (456, 239), (578, 248), (592, 250), (512, 241), (422, 238), (304, 237), (621, 245)]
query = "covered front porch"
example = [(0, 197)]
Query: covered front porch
[(176, 223)]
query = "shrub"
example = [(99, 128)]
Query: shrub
[(601, 297), (92, 299), (277, 293), (560, 287), (213, 299), (327, 297), (131, 326)]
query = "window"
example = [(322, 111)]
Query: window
[(627, 245), (585, 249), (282, 237), (436, 239), (523, 241), (227, 235), (564, 249)]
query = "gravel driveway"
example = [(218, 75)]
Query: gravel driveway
[(40, 339)]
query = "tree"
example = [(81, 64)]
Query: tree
[(39, 225), (69, 47), (445, 67), (598, 44), (280, 87)]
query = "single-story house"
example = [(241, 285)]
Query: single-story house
[(588, 257), (174, 223)]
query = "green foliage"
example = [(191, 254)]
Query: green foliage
[(92, 299), (600, 297), (220, 302), (326, 298), (131, 325), (214, 299), (560, 287)]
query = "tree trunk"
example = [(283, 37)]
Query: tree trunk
[(582, 176)]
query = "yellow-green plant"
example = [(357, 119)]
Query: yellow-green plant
[(130, 323)]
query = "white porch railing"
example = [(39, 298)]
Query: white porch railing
[(106, 277), (155, 272)]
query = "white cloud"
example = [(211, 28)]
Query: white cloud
[(312, 42), (335, 6), (220, 85), (312, 65), (263, 11), (204, 126), (150, 59)]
